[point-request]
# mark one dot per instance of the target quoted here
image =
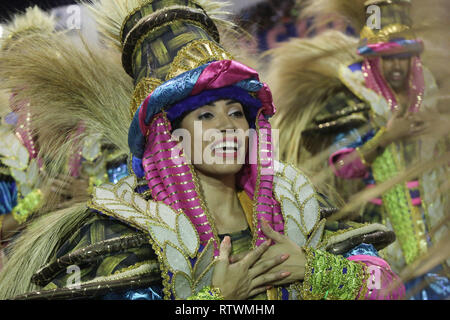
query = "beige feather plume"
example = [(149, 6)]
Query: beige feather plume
[(36, 246), (4, 105), (302, 74), (110, 15), (31, 21), (353, 10), (67, 85), (431, 24)]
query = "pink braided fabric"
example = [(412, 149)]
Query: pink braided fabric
[(375, 81), (266, 207), (172, 180)]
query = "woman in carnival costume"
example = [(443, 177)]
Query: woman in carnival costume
[(178, 228)]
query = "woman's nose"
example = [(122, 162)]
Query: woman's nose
[(226, 123)]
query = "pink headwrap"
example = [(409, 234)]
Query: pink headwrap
[(375, 81)]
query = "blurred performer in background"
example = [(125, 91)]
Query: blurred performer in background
[(23, 189), (36, 180), (313, 103), (373, 120)]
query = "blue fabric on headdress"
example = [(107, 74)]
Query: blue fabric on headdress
[(410, 48), (166, 94), (250, 85), (136, 140), (172, 91), (11, 118), (251, 105), (136, 165)]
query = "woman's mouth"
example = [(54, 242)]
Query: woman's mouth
[(226, 148)]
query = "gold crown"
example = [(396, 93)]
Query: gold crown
[(192, 56), (395, 22)]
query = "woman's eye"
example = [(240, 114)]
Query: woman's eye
[(237, 114), (205, 116)]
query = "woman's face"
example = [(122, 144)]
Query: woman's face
[(218, 135)]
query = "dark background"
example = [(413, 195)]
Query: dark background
[(10, 7)]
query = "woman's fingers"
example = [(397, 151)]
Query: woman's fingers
[(259, 290), (270, 233), (269, 278), (238, 257), (222, 263), (225, 249), (261, 267), (255, 254)]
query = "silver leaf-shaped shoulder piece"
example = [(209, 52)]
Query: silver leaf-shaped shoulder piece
[(176, 260), (204, 260), (33, 172), (204, 280), (123, 203), (173, 236), (316, 236), (163, 235), (299, 204), (19, 175), (165, 213), (182, 286), (293, 231), (187, 235)]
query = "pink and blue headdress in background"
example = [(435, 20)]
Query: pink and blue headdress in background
[(394, 38)]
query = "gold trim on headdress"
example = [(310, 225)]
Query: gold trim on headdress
[(161, 39), (195, 54), (386, 33), (395, 21), (142, 90)]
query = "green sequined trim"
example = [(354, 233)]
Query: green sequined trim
[(27, 205), (207, 293), (331, 277), (398, 205)]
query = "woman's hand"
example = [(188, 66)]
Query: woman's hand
[(283, 248), (249, 276), (295, 265)]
